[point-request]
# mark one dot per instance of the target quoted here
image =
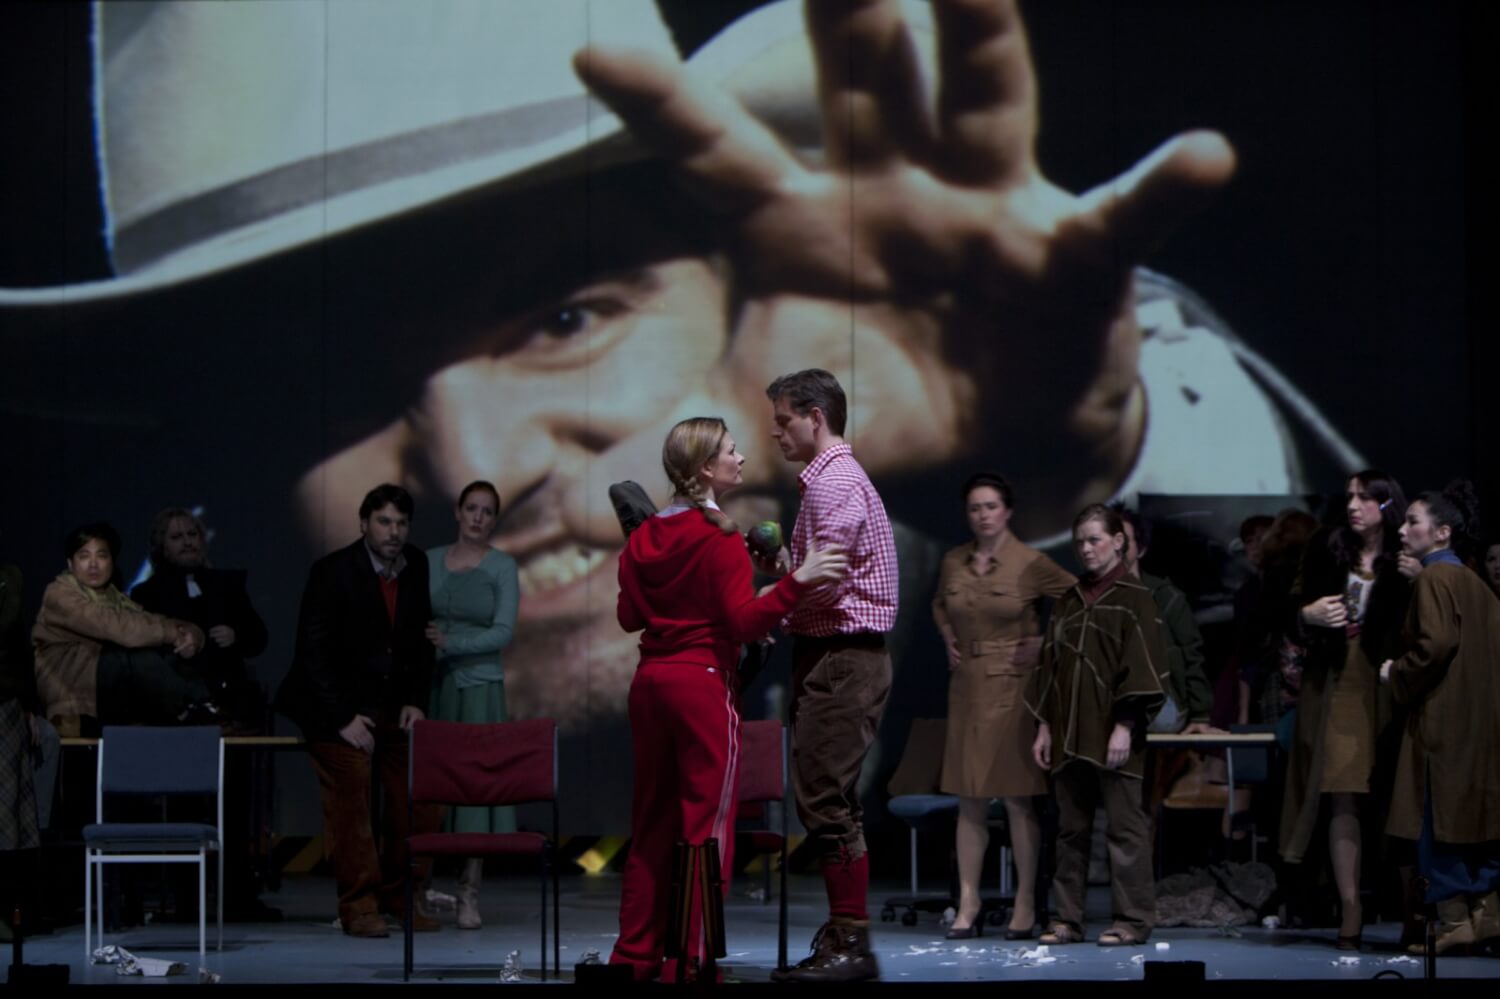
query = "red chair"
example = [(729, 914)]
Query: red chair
[(505, 763), (763, 780)]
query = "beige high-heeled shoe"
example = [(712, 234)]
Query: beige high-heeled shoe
[(468, 894)]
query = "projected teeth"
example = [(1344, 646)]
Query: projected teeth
[(559, 566)]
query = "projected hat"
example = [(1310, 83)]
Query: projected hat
[(229, 133)]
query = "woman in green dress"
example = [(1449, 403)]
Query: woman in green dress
[(474, 598)]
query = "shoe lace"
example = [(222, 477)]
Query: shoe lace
[(817, 937)]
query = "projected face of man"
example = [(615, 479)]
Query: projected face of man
[(552, 388)]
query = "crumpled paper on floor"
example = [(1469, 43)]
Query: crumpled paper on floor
[(127, 963)]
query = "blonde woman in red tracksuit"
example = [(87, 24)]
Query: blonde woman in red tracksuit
[(685, 583)]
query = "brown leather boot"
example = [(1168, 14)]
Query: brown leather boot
[(366, 924), (841, 953)]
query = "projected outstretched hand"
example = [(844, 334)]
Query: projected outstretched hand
[(980, 296)]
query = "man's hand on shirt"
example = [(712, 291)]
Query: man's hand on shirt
[(359, 733), (222, 634)]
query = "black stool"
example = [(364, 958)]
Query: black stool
[(695, 868)]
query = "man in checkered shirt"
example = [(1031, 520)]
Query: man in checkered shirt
[(841, 672)]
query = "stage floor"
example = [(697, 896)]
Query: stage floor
[(308, 947)]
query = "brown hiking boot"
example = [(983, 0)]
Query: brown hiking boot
[(366, 924), (1454, 929), (840, 953)]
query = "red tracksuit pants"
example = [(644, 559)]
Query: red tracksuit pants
[(686, 733)]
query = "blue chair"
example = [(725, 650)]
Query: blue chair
[(916, 800), (150, 761)]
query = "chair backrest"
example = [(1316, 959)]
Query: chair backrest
[(152, 760), (500, 763), (762, 761), (921, 766), (1252, 766)]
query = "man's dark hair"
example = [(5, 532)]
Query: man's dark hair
[(99, 530), (386, 495), (995, 481), (814, 387), (1254, 522), (1140, 525)]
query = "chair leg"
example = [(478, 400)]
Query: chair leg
[(556, 918), (543, 954), (219, 907), (88, 907), (781, 920), (202, 908), (407, 934), (913, 861)]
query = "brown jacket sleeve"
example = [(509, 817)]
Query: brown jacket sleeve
[(69, 609), (1431, 628)]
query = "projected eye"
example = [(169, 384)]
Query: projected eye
[(571, 332), (569, 320)]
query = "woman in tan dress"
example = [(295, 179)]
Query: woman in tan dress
[(1350, 598), (987, 611)]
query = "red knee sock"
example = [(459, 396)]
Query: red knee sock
[(848, 883)]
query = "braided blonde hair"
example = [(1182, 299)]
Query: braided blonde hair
[(689, 446)]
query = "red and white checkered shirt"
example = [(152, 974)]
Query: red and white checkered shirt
[(841, 507)]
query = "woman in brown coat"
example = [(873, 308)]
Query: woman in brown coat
[(1102, 677), (1350, 598), (987, 609), (1447, 794), (100, 656)]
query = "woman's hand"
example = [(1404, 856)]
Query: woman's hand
[(1385, 670), (1041, 746), (222, 634), (1408, 565), (1119, 747), (1028, 652), (436, 636), (189, 640), (950, 642), (1326, 612), (822, 566)]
